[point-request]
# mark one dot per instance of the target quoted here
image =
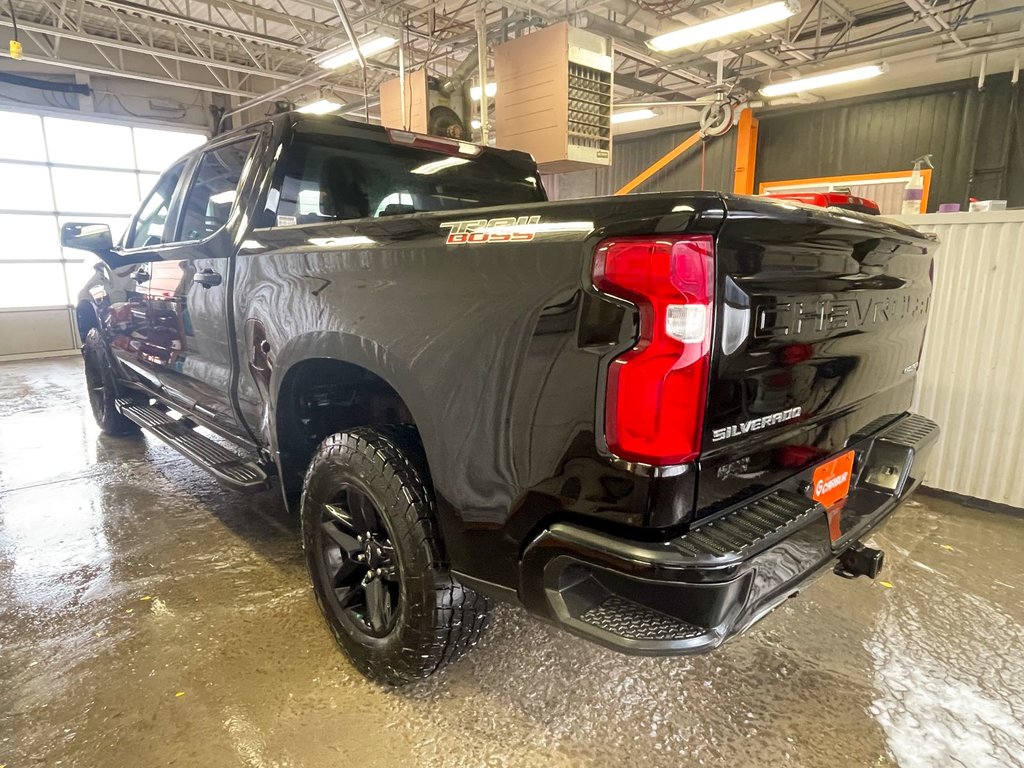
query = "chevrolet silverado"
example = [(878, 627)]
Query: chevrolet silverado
[(647, 419)]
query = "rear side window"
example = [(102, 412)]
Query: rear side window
[(330, 178), (213, 190)]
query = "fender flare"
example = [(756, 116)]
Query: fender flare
[(353, 350)]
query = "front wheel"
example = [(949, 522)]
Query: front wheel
[(102, 386), (376, 559)]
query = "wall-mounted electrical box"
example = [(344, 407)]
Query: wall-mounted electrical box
[(554, 98)]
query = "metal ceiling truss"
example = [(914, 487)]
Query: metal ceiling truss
[(255, 49)]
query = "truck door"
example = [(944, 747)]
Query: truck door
[(136, 342), (186, 334)]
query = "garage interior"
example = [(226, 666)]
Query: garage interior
[(150, 617)]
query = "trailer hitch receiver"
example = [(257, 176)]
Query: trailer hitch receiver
[(859, 560)]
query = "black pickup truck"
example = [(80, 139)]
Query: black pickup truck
[(647, 419)]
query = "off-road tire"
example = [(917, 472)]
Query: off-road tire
[(435, 619), (103, 389)]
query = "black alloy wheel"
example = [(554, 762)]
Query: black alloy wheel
[(358, 561), (376, 558), (95, 386), (102, 387)]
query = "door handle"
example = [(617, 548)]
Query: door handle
[(140, 275), (207, 278)]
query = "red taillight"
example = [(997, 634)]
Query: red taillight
[(654, 406)]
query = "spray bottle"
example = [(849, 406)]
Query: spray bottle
[(913, 193)]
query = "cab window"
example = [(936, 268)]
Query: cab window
[(214, 187), (328, 178), (147, 228)]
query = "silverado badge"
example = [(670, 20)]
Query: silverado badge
[(753, 425)]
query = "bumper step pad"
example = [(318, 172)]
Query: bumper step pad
[(732, 536), (228, 467), (628, 620), (912, 431)]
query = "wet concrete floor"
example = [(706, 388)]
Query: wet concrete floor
[(149, 618)]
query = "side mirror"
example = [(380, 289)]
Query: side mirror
[(88, 237)]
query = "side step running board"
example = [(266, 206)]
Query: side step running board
[(229, 468)]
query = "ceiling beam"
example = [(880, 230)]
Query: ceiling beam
[(145, 50), (181, 20), (79, 66)]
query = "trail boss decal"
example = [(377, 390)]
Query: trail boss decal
[(753, 425), (504, 230)]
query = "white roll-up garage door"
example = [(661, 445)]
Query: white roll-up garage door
[(55, 169)]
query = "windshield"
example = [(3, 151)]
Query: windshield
[(330, 178)]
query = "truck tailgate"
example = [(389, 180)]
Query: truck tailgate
[(819, 326)]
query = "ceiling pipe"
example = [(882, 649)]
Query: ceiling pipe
[(635, 12), (590, 20), (935, 21), (481, 52), (109, 72), (343, 16), (463, 72), (909, 46), (469, 65), (620, 32), (401, 83), (277, 93), (986, 44)]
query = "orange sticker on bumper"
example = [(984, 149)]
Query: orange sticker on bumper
[(831, 481)]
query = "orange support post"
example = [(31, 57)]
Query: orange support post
[(746, 153), (659, 164)]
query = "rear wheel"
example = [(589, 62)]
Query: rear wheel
[(376, 560), (102, 386)]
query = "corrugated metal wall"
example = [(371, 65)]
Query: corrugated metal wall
[(887, 132), (631, 156), (970, 380), (868, 135)]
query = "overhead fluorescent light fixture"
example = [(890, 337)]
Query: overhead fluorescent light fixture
[(336, 59), (474, 92), (340, 242), (436, 166), (629, 116), (547, 227), (223, 198), (824, 81), (725, 26), (321, 107)]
